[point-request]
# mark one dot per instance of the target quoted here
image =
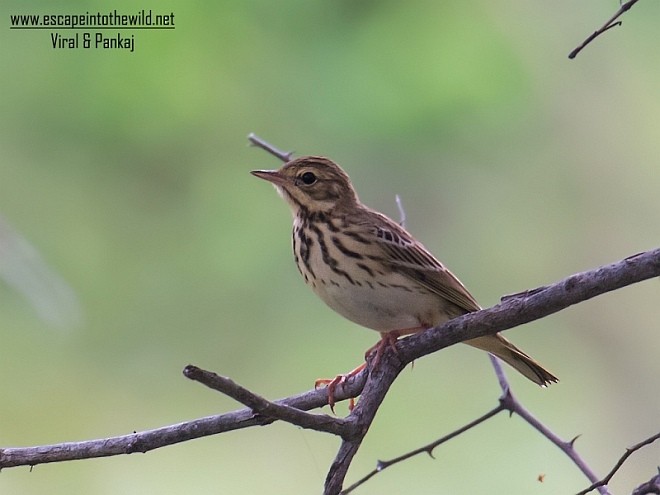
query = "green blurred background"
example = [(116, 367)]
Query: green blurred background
[(128, 174)]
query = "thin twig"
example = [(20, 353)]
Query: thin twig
[(255, 140), (507, 402), (402, 212), (282, 412), (629, 451), (612, 22), (427, 449), (567, 447), (502, 380), (515, 406)]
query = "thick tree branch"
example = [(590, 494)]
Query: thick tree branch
[(379, 380), (533, 305)]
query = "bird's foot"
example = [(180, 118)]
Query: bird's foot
[(332, 384)]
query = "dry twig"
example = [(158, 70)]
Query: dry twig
[(629, 451), (611, 22)]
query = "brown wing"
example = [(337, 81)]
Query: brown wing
[(407, 256)]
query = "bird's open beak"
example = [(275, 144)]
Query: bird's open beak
[(270, 175)]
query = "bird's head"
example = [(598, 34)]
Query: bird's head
[(311, 183)]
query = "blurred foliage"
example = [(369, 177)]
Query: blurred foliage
[(128, 173)]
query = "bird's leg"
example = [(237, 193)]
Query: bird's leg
[(387, 339)]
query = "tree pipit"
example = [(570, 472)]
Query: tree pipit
[(371, 270)]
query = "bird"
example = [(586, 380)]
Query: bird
[(371, 270)]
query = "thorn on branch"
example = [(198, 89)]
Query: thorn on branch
[(508, 402), (571, 444)]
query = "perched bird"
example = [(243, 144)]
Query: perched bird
[(371, 270)]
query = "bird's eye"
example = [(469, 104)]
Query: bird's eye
[(308, 178)]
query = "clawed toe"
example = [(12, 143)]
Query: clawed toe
[(332, 384)]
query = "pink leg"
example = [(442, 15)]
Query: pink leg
[(387, 339)]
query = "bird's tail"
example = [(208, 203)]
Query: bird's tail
[(510, 354)]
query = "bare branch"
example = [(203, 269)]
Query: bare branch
[(145, 441), (612, 22), (272, 410), (402, 212), (507, 402), (517, 310), (255, 140), (426, 449), (629, 451), (515, 406)]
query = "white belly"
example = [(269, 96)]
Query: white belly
[(379, 308)]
